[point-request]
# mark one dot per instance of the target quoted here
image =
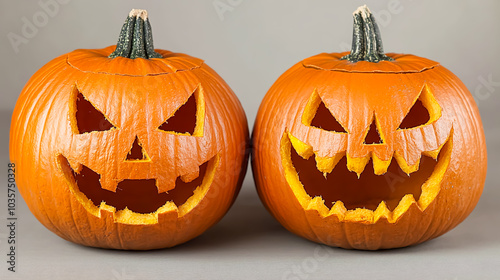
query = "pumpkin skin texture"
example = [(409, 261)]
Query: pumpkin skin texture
[(334, 141), (87, 127)]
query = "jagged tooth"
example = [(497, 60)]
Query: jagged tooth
[(404, 204), (382, 212), (380, 166), (408, 169), (357, 164), (127, 216), (167, 207), (108, 182), (304, 150), (339, 210), (434, 153), (103, 207), (168, 213), (75, 165), (165, 183), (186, 178), (327, 164), (360, 215), (318, 204), (106, 211)]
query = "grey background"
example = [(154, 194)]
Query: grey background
[(250, 45)]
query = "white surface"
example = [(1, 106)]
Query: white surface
[(255, 42)]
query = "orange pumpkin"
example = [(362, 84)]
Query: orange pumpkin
[(368, 150), (128, 147)]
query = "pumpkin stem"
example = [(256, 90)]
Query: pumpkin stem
[(366, 39), (136, 37)]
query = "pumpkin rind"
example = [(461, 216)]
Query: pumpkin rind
[(137, 96), (354, 93)]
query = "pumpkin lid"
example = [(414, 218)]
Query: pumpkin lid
[(401, 63), (97, 61)]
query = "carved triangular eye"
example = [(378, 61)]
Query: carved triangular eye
[(184, 120), (324, 120), (88, 118), (316, 114), (417, 116), (424, 111)]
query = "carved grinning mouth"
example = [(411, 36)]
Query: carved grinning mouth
[(366, 197), (137, 201)]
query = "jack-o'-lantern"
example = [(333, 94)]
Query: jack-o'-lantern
[(128, 147), (368, 150)]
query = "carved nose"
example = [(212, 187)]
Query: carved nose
[(137, 152), (373, 135)]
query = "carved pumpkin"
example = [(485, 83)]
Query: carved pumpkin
[(128, 147), (367, 150)]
